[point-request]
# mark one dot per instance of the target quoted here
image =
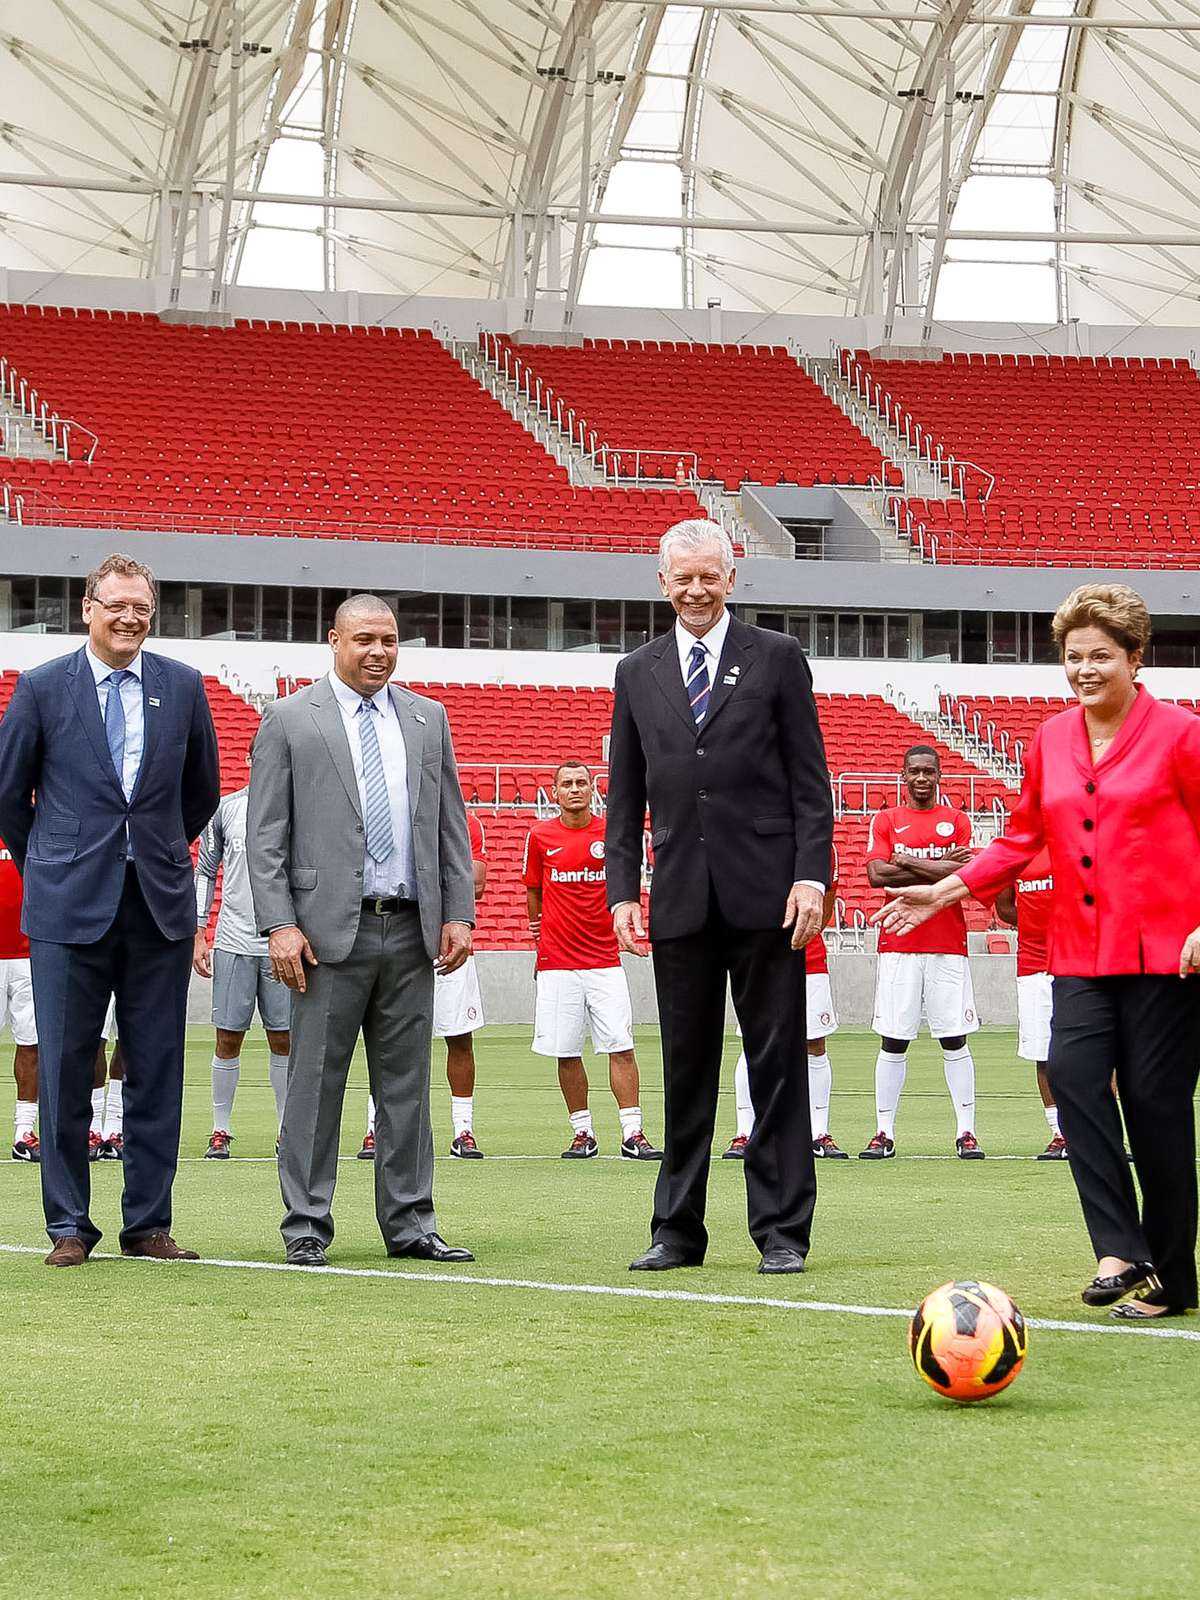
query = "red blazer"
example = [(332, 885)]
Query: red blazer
[(1123, 836)]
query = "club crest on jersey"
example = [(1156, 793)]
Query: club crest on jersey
[(944, 830), (597, 850)]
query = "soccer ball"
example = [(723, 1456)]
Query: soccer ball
[(968, 1340)]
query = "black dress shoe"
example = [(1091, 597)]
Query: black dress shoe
[(431, 1247), (663, 1257), (781, 1259), (306, 1253), (1105, 1291)]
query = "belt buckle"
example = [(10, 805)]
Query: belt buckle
[(378, 903)]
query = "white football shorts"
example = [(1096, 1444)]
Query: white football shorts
[(457, 1002), (16, 1000), (818, 1000), (908, 987), (1035, 1010), (570, 1004)]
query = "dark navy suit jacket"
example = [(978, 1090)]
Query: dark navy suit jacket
[(740, 806), (64, 815)]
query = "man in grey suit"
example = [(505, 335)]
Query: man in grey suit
[(360, 870)]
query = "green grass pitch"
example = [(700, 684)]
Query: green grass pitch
[(203, 1431)]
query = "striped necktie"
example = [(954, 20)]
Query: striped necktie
[(697, 682), (379, 809)]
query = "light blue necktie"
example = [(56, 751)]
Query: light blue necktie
[(114, 722), (697, 682), (379, 809)]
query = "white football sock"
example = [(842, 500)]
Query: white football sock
[(277, 1068), (960, 1080), (462, 1107), (371, 1115), (631, 1120), (25, 1118), (741, 1097), (114, 1107), (1052, 1119), (820, 1087), (890, 1073), (225, 1076), (97, 1110), (581, 1122)]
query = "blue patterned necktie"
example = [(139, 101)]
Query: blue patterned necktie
[(114, 722), (379, 810), (697, 682)]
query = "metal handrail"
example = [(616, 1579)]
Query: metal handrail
[(849, 787)]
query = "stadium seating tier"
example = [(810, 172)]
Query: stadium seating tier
[(340, 432)]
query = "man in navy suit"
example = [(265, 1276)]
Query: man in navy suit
[(108, 768)]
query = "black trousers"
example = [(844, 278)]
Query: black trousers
[(71, 985), (1146, 1028), (766, 977)]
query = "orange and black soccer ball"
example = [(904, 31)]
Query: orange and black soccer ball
[(967, 1340)]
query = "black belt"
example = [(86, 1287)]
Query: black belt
[(384, 905)]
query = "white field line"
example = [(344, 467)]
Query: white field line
[(616, 1292)]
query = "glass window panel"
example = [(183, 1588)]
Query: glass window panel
[(214, 608), (245, 611), (774, 620), (576, 624), (849, 635), (874, 633), (52, 604), (940, 636), (480, 635), (528, 625), (638, 623), (453, 621), (172, 610), (305, 611), (23, 606), (417, 618), (897, 638), (274, 612), (608, 624), (825, 630), (799, 625)]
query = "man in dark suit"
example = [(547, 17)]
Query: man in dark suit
[(108, 768), (715, 728)]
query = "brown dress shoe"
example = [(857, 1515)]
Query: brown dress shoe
[(69, 1251), (159, 1247)]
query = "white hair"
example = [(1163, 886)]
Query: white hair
[(694, 534)]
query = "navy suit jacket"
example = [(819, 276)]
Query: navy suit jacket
[(740, 806), (63, 813)]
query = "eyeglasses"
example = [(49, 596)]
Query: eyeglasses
[(122, 608)]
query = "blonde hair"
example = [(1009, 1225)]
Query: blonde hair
[(1114, 608)]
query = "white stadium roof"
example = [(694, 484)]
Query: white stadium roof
[(868, 156)]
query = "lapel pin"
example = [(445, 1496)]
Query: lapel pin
[(730, 677), (154, 702), (419, 718)]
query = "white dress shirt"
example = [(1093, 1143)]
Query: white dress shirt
[(397, 873), (713, 642)]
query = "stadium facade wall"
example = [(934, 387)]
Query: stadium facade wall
[(464, 318), (506, 979), (449, 569)]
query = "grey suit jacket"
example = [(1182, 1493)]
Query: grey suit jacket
[(304, 824)]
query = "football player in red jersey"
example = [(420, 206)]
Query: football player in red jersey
[(457, 1012), (822, 1021), (16, 1003), (924, 973), (581, 985), (1026, 906)]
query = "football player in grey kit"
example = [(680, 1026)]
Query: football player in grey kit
[(237, 963)]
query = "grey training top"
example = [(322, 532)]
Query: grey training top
[(224, 841)]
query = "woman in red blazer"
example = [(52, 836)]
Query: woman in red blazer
[(1112, 788)]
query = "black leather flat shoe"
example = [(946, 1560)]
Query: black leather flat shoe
[(1105, 1291), (1140, 1311)]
